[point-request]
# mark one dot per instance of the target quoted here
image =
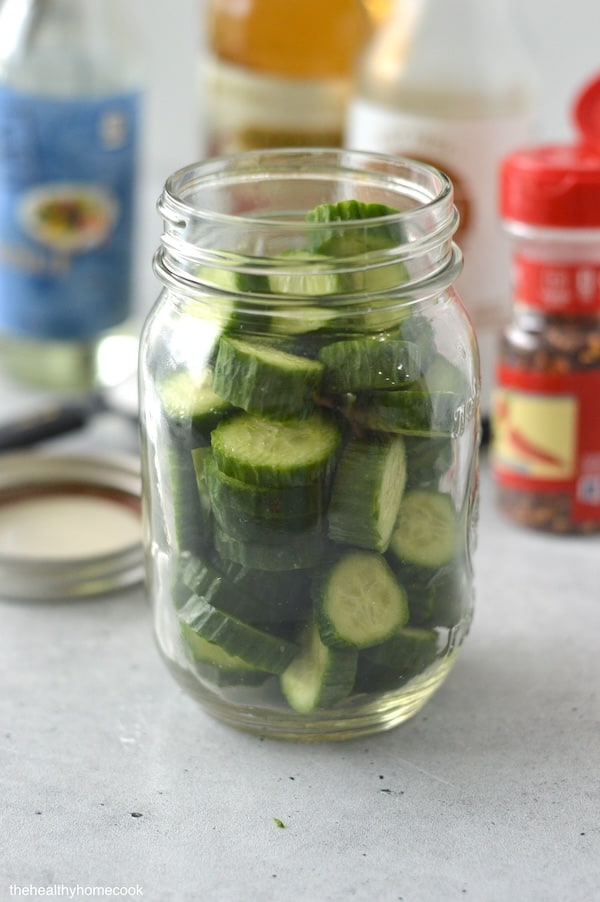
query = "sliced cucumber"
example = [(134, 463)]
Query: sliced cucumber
[(418, 329), (299, 552), (441, 375), (263, 379), (366, 363), (443, 598), (411, 411), (305, 274), (188, 518), (358, 601), (191, 405), (319, 676), (266, 531), (366, 494), (229, 278), (301, 503), (249, 595), (215, 664), (427, 529), (271, 453), (428, 458), (254, 647), (302, 319), (390, 665)]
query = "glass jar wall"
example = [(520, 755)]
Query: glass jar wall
[(309, 386)]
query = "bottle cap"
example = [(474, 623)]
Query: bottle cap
[(558, 185), (70, 525), (552, 185)]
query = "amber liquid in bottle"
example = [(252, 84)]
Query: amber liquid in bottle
[(279, 74)]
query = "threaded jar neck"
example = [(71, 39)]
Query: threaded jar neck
[(245, 216)]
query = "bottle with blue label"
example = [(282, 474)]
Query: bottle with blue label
[(69, 126)]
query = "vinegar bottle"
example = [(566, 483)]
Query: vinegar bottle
[(278, 74), (69, 109), (448, 82)]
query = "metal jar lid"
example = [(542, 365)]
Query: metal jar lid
[(70, 525)]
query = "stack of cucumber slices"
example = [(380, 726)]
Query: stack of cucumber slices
[(316, 551)]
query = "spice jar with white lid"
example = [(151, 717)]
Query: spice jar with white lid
[(546, 424)]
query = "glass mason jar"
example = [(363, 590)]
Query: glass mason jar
[(309, 389)]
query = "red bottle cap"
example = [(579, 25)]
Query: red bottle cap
[(558, 185), (552, 185)]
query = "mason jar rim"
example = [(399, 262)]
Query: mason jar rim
[(230, 168)]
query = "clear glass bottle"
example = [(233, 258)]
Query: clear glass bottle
[(449, 82), (69, 110), (546, 428), (309, 440), (277, 74)]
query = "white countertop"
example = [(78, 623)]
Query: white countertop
[(111, 777)]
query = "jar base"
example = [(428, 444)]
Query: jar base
[(362, 716)]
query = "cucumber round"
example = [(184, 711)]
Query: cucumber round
[(263, 379), (215, 664), (366, 363), (390, 665), (191, 405), (319, 676), (427, 528), (299, 552), (358, 601), (410, 412), (366, 494), (254, 647), (301, 503), (272, 453)]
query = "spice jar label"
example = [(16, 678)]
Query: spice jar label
[(568, 287), (547, 436)]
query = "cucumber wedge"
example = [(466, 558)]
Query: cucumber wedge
[(254, 647), (427, 529), (271, 453), (367, 489), (263, 379), (358, 601), (366, 363), (319, 676)]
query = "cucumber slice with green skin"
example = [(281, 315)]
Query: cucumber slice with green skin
[(428, 458), (441, 375), (358, 601), (271, 453), (302, 319), (298, 553), (427, 529), (392, 664), (263, 379), (192, 407), (443, 598), (231, 279), (367, 489), (257, 648), (260, 531), (367, 363), (301, 503), (313, 275), (216, 665), (199, 456), (188, 518), (319, 676), (252, 596), (418, 329), (410, 412)]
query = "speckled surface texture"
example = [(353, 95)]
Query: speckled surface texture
[(112, 777)]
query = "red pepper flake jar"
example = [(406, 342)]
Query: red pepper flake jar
[(545, 448)]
